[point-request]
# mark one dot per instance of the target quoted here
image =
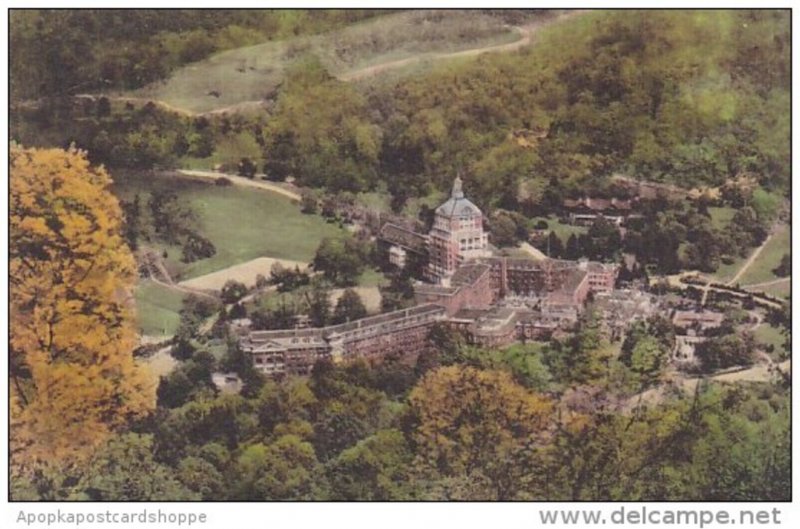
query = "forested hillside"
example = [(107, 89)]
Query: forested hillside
[(63, 52), (690, 97), (684, 97)]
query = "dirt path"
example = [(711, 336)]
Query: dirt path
[(750, 260), (526, 33), (181, 288), (245, 272), (741, 294), (159, 274), (676, 280), (242, 181), (761, 372), (768, 283), (243, 105), (236, 107)]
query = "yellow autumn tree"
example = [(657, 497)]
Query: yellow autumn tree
[(72, 374), (467, 417)]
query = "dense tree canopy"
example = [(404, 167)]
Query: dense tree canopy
[(341, 259), (468, 418)]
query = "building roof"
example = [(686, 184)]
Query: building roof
[(469, 314), (369, 321), (706, 318), (571, 283), (318, 337), (468, 274), (399, 236), (457, 205), (429, 289), (597, 204)]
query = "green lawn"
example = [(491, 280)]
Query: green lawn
[(721, 216), (381, 201), (371, 278), (216, 347), (228, 151), (779, 290), (562, 230), (769, 258), (157, 309), (725, 272), (243, 223), (761, 269), (768, 335)]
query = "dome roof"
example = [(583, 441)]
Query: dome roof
[(457, 205)]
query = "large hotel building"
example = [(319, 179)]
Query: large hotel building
[(493, 300)]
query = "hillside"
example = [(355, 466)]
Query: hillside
[(690, 97), (693, 98), (66, 52), (242, 77)]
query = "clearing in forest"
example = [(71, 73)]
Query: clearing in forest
[(242, 223), (241, 78)]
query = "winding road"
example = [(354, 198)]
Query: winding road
[(242, 181), (768, 283), (526, 33)]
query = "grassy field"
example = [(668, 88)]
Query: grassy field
[(252, 73), (157, 309), (371, 278), (242, 223), (228, 151), (562, 230), (769, 335), (769, 258), (780, 290), (725, 272), (721, 216), (761, 269)]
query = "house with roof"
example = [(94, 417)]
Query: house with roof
[(402, 245), (586, 210)]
